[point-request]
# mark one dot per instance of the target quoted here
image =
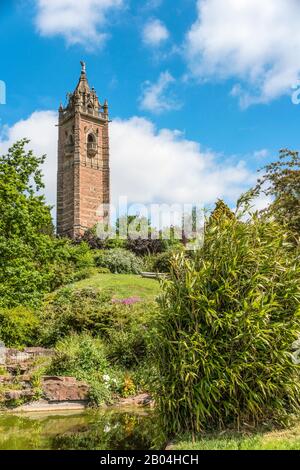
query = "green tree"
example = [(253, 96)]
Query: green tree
[(32, 260), (281, 182), (24, 213)]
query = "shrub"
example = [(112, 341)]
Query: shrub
[(75, 311), (83, 357), (129, 336), (18, 327), (96, 243), (162, 261), (119, 261), (89, 310), (226, 327), (71, 263), (78, 356), (143, 247)]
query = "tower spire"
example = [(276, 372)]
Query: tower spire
[(83, 67)]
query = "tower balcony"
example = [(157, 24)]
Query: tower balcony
[(94, 112), (92, 149), (69, 149)]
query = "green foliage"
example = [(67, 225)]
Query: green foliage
[(79, 355), (161, 263), (147, 246), (129, 338), (23, 213), (96, 243), (281, 182), (220, 213), (70, 262), (32, 261), (18, 327), (75, 311), (119, 261), (226, 328), (83, 357)]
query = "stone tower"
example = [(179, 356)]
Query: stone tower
[(83, 160)]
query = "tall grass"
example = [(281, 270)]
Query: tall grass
[(226, 327)]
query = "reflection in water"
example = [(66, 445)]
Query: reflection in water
[(90, 430)]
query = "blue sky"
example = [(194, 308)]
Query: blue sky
[(181, 77)]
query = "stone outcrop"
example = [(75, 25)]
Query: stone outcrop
[(58, 389), (16, 381), (14, 356), (15, 395), (144, 399)]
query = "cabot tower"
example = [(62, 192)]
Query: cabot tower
[(83, 160)]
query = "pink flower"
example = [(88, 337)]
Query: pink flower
[(129, 301)]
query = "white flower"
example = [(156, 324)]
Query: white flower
[(106, 378)]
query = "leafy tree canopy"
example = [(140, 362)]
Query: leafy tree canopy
[(23, 212), (281, 181)]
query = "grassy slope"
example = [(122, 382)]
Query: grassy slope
[(123, 285), (287, 439)]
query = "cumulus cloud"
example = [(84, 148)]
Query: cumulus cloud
[(254, 41), (147, 164), (156, 97), (151, 165), (40, 129), (155, 32), (79, 22)]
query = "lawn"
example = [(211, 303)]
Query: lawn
[(287, 439), (122, 285)]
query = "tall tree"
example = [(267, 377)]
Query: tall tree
[(281, 181), (23, 212)]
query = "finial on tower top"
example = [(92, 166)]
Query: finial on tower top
[(83, 67)]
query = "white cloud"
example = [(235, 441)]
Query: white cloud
[(254, 41), (147, 164), (155, 32), (261, 202), (156, 97), (79, 22), (40, 129), (150, 165), (261, 154)]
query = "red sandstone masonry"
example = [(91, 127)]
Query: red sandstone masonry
[(83, 172)]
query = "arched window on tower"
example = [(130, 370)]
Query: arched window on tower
[(91, 138), (91, 145)]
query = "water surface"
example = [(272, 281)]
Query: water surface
[(88, 430)]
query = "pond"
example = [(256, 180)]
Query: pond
[(88, 430)]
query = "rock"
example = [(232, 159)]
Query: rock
[(64, 389), (39, 352), (18, 394), (18, 369), (14, 356), (144, 399)]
